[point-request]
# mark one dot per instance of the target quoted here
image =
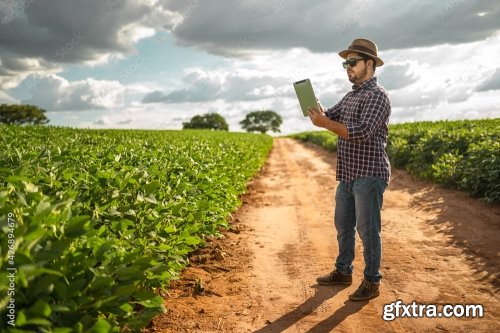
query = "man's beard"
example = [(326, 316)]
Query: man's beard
[(355, 78)]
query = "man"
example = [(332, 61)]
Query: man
[(360, 120)]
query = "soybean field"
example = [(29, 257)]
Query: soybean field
[(95, 222)]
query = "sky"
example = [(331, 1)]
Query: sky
[(154, 64)]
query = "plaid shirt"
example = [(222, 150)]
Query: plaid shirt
[(365, 111)]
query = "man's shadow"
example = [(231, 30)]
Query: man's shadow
[(321, 294), (337, 317)]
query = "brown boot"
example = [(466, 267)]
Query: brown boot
[(334, 277), (365, 291)]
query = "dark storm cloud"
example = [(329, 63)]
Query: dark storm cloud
[(72, 30), (49, 32), (327, 26)]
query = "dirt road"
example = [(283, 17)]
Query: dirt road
[(439, 246)]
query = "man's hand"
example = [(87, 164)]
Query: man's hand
[(318, 118)]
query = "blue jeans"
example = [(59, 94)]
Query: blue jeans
[(359, 203)]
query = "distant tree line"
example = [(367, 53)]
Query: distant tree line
[(256, 121), (207, 121)]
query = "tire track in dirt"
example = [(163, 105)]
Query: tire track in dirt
[(439, 246)]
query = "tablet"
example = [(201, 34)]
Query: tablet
[(305, 94)]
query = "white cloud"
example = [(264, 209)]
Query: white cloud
[(14, 70), (415, 98), (151, 116), (230, 84), (446, 73), (55, 93), (479, 105)]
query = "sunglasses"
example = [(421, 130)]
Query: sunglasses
[(351, 62)]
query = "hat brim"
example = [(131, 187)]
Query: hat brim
[(378, 61)]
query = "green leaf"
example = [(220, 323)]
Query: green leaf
[(142, 295), (20, 319), (126, 307), (154, 302), (54, 250), (76, 226), (193, 241), (151, 187), (38, 322), (41, 309), (16, 182), (125, 273), (33, 236), (78, 327), (101, 282), (31, 271), (151, 199), (19, 155), (103, 174), (170, 229), (60, 308), (44, 285), (148, 299), (61, 289), (131, 212), (101, 326), (76, 286), (125, 290)]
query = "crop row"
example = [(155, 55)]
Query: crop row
[(459, 154), (95, 222)]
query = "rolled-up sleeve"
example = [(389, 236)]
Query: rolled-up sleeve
[(333, 113), (375, 111)]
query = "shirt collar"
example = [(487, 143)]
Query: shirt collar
[(368, 83)]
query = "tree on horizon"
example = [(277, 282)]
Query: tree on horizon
[(262, 121), (212, 121), (20, 114)]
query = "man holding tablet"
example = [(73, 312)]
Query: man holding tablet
[(361, 121)]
